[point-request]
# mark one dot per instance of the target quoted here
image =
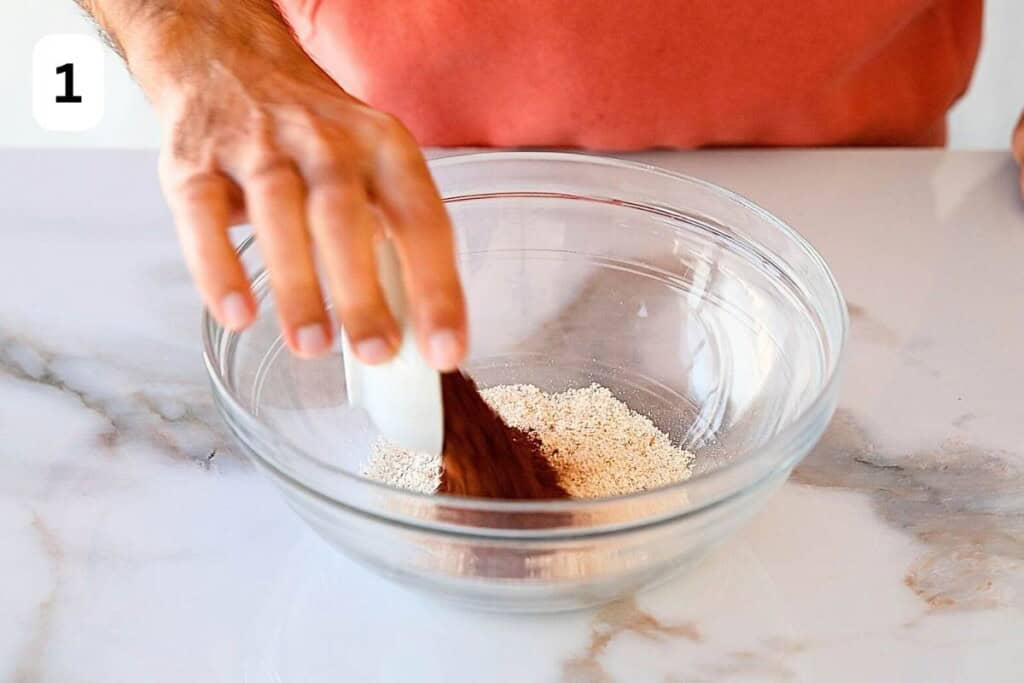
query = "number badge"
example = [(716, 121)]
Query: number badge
[(67, 82)]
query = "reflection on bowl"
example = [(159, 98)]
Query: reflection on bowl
[(694, 306)]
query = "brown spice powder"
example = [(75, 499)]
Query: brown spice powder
[(484, 457)]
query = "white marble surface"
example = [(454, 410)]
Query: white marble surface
[(896, 553)]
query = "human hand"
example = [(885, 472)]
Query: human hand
[(255, 131)]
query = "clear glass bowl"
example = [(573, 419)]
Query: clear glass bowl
[(693, 305)]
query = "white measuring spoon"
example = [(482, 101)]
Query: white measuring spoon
[(403, 395)]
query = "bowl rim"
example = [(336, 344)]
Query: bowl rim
[(781, 441)]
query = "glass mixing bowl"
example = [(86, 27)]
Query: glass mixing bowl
[(694, 306)]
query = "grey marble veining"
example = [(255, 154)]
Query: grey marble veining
[(963, 503)]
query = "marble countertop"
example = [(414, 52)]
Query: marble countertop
[(136, 544)]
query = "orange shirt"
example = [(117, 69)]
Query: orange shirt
[(627, 74)]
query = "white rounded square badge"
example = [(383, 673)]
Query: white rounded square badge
[(67, 82)]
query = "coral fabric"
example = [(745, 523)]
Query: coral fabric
[(628, 74)]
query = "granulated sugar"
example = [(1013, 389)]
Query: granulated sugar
[(598, 446)]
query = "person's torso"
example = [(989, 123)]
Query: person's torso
[(624, 75)]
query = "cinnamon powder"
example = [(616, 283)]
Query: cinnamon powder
[(483, 456)]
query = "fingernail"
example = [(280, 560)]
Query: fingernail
[(373, 350), (443, 349), (235, 310), (311, 340)]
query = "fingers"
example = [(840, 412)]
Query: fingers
[(306, 181), (201, 207), (344, 228), (275, 201), (423, 235)]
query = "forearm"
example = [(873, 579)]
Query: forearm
[(166, 42)]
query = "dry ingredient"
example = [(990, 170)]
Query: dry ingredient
[(596, 444), (483, 456)]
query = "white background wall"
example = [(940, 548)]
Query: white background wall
[(983, 119)]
